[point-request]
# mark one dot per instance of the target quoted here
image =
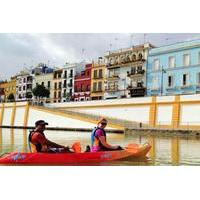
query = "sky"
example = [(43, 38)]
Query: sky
[(18, 51)]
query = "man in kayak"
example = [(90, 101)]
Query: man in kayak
[(39, 143), (98, 138)]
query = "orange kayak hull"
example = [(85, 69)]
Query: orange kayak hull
[(74, 158)]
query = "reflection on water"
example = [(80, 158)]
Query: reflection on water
[(171, 150)]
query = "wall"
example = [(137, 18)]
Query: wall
[(21, 114), (177, 112)]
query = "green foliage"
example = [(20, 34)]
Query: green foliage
[(29, 95), (11, 97), (40, 91)]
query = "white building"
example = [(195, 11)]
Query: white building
[(24, 85), (68, 74), (126, 72)]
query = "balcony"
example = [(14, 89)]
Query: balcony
[(186, 86), (70, 76), (137, 91), (112, 89), (113, 77), (97, 91), (97, 77), (135, 73)]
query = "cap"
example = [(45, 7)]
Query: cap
[(41, 122)]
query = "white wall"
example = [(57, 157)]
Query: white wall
[(190, 114), (164, 115), (56, 121), (19, 116), (7, 116)]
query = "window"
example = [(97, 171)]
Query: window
[(186, 60), (95, 87), (59, 94), (49, 84), (65, 75), (60, 85), (100, 86), (24, 80), (185, 79), (155, 83), (55, 86), (24, 87), (156, 64), (95, 73), (55, 95), (42, 83), (170, 81), (100, 73), (171, 61), (88, 88), (198, 78), (82, 87), (199, 58)]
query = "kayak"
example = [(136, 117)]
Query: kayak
[(132, 150)]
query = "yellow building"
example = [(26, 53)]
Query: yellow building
[(7, 88), (97, 80)]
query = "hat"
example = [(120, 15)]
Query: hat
[(41, 122)]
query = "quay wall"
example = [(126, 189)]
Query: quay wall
[(177, 112)]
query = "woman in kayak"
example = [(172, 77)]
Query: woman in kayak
[(39, 143), (98, 138)]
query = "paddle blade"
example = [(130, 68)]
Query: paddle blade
[(132, 146), (77, 147)]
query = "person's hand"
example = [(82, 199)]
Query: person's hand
[(120, 148)]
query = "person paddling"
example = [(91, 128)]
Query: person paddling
[(39, 143), (98, 138)]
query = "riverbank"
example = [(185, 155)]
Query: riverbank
[(63, 129)]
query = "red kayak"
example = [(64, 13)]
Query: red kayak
[(132, 150)]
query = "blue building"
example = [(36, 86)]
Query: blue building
[(174, 69)]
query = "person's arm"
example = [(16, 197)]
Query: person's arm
[(105, 144), (53, 144)]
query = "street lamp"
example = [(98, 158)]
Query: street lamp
[(124, 80), (162, 71)]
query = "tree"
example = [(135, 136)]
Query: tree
[(29, 95), (40, 92), (11, 97)]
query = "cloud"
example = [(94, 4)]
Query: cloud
[(19, 50)]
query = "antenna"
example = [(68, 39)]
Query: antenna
[(145, 34), (110, 46), (116, 39)]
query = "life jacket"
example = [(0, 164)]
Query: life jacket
[(94, 140), (35, 147)]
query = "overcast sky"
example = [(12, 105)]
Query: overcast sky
[(24, 50)]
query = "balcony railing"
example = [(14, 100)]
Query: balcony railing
[(97, 77), (112, 89), (137, 91), (135, 73), (70, 75), (96, 91)]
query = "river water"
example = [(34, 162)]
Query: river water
[(166, 150)]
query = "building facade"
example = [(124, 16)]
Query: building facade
[(68, 76), (174, 69), (56, 91), (82, 84), (98, 80), (126, 72), (47, 81), (7, 88), (24, 86)]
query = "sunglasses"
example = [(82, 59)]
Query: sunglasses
[(104, 123)]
